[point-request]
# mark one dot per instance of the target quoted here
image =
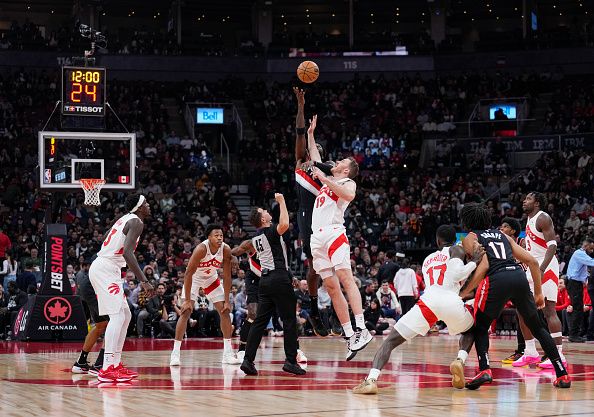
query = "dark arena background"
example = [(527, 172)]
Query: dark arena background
[(441, 103)]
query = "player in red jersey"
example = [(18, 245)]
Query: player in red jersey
[(105, 275)]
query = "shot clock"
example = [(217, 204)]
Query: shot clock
[(83, 91)]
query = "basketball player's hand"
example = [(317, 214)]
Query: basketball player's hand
[(146, 286), (539, 300), (226, 307), (300, 94), (279, 197), (477, 253), (312, 124), (186, 305), (318, 174)]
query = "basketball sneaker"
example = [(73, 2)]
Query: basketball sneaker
[(457, 371), (526, 360), (175, 358), (483, 377), (126, 371), (512, 358), (229, 358), (293, 368), (80, 368), (318, 326), (240, 355), (94, 369), (112, 374), (301, 358), (367, 387), (360, 339), (248, 368), (547, 364), (563, 382)]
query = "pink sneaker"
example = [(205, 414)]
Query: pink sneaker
[(526, 360), (548, 365)]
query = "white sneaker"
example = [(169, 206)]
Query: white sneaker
[(359, 340), (240, 355), (229, 358), (301, 358), (175, 358)]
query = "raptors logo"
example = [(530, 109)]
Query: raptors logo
[(114, 289)]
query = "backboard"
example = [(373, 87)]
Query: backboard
[(66, 157)]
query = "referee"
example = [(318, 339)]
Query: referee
[(276, 289), (577, 274)]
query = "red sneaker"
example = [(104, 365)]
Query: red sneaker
[(112, 374), (125, 371), (563, 382), (483, 377)]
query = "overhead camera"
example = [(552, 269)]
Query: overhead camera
[(98, 39)]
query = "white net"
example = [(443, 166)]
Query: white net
[(92, 188)]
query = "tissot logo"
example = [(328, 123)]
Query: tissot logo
[(57, 263), (84, 109)]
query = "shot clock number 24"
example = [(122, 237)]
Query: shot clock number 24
[(83, 91)]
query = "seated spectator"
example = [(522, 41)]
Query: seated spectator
[(374, 318), (169, 316), (8, 272), (15, 300), (27, 277), (240, 308), (391, 307)]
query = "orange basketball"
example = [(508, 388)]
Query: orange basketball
[(308, 71)]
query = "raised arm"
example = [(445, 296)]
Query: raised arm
[(283, 221), (346, 191), (544, 223), (133, 230), (312, 147), (300, 143)]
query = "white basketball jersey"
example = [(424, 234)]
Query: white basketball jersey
[(113, 245), (207, 267), (329, 208), (434, 271), (536, 244)]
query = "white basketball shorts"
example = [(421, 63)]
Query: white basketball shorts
[(550, 281), (106, 279), (330, 250), (212, 288)]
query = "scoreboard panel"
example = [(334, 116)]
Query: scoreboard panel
[(83, 91)]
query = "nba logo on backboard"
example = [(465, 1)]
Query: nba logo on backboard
[(47, 176)]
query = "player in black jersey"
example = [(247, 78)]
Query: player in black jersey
[(504, 280), (307, 190)]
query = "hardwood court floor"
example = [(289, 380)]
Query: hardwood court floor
[(35, 379)]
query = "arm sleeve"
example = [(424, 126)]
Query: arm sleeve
[(457, 271), (585, 259)]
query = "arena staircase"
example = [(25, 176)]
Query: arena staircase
[(176, 119), (241, 198)]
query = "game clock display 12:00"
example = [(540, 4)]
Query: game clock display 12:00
[(83, 91)]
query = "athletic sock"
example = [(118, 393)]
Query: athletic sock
[(348, 329), (83, 357), (99, 360), (227, 345), (313, 307), (374, 373), (360, 321), (462, 355), (531, 348), (177, 345), (117, 358), (108, 360)]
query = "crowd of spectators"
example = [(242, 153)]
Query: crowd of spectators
[(379, 121)]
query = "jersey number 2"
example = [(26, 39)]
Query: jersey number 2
[(441, 268)]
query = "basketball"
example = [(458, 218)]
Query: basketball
[(308, 72)]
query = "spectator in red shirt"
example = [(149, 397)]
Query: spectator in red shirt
[(563, 301), (5, 244)]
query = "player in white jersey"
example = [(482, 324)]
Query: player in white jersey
[(541, 244), (443, 271), (105, 275), (330, 246), (207, 257)]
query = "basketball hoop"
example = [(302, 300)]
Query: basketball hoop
[(92, 188)]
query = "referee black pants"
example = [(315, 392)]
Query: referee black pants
[(575, 289), (275, 294), (492, 294)]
